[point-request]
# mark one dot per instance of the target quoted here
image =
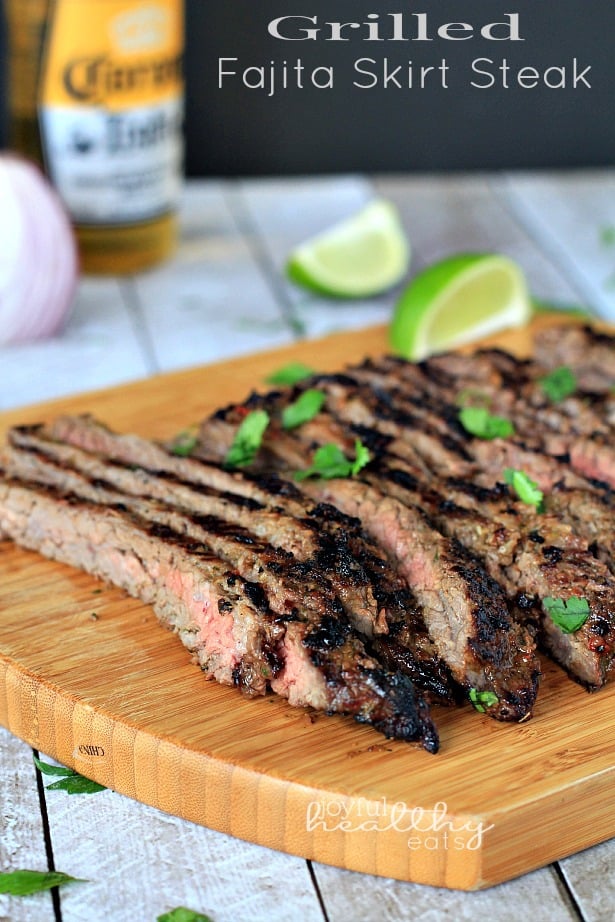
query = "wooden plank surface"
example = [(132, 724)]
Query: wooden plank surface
[(158, 862), (233, 764), (22, 842), (571, 216)]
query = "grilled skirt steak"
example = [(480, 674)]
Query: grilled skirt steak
[(224, 619), (375, 599), (464, 627)]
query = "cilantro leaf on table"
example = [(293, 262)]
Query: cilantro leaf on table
[(25, 882), (181, 914), (69, 780)]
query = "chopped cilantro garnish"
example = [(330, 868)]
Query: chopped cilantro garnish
[(247, 439), (483, 699), (568, 614), (290, 374), (305, 408), (478, 421), (525, 488), (329, 461), (185, 442), (559, 383)]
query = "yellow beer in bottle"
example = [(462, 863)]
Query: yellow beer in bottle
[(96, 95)]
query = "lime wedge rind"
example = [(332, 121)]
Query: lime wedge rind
[(360, 257), (458, 300)]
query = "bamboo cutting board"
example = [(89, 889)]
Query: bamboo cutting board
[(89, 677)]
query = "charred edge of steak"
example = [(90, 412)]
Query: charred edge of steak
[(360, 686), (503, 647), (430, 675), (438, 571)]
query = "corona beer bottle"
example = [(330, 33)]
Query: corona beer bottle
[(96, 97)]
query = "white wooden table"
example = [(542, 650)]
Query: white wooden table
[(224, 294)]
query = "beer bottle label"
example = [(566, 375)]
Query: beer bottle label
[(111, 107)]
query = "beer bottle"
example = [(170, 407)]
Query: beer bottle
[(96, 97)]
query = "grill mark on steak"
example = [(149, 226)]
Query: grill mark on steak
[(560, 566), (375, 599), (316, 662)]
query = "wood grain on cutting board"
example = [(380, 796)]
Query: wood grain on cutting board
[(89, 677)]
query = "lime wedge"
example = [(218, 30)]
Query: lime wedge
[(362, 256), (456, 301)]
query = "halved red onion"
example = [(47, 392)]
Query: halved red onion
[(38, 254)]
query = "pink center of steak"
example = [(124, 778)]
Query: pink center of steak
[(299, 680)]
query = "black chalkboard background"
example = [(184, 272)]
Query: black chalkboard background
[(238, 131)]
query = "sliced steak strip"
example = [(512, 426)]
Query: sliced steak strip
[(192, 592), (377, 601), (534, 557), (224, 618), (590, 515), (577, 427)]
